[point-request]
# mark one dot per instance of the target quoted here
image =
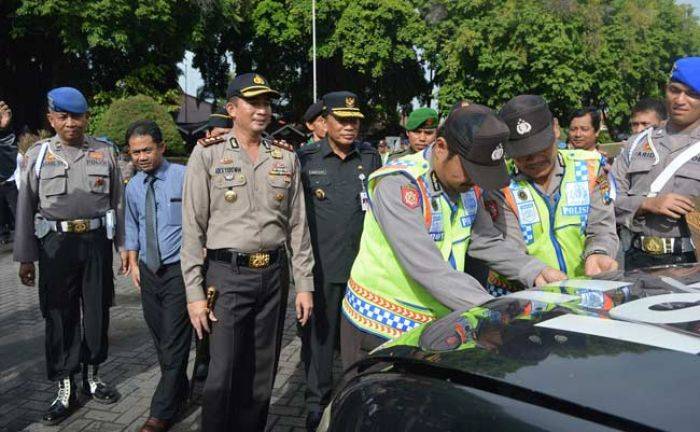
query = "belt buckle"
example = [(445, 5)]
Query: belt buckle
[(653, 245), (258, 260), (78, 226)]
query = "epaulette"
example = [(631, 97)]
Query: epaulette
[(310, 148), (206, 142), (284, 145), (37, 144)]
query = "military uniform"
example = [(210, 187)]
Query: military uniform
[(426, 118), (247, 214), (69, 214), (656, 239), (335, 189)]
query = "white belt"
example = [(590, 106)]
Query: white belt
[(77, 225)]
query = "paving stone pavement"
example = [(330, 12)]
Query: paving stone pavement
[(132, 366)]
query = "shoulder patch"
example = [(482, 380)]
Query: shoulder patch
[(309, 148), (604, 187), (409, 196), (206, 142), (492, 208)]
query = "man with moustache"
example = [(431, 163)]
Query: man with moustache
[(425, 213), (69, 215), (153, 239), (647, 113), (557, 207), (584, 129), (421, 130), (243, 201), (657, 173), (334, 172)]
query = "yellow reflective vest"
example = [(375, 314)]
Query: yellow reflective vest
[(381, 298)]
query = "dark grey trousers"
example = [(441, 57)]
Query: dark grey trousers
[(165, 311), (244, 344)]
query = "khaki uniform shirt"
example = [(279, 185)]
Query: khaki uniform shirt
[(634, 177), (231, 202), (601, 235), (74, 183)]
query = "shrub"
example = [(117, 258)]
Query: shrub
[(113, 122)]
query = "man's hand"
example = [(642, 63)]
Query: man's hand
[(672, 205), (27, 273), (599, 263), (198, 317), (304, 303), (135, 274), (5, 115), (549, 275), (124, 268)]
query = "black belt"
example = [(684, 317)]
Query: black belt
[(242, 259), (663, 245)]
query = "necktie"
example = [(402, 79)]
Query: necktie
[(152, 253)]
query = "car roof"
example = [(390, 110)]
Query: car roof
[(625, 344)]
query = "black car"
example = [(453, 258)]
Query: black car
[(615, 353)]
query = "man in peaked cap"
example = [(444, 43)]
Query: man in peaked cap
[(568, 187), (657, 173), (421, 129), (425, 212), (243, 201), (315, 121), (334, 173), (70, 225)]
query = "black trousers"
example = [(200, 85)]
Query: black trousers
[(244, 344), (8, 206), (637, 258), (75, 275), (355, 344), (319, 337), (165, 311)]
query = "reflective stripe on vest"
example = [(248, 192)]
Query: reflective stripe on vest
[(554, 232), (381, 298)]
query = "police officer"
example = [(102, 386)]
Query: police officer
[(315, 121), (69, 214), (425, 213), (557, 207), (243, 201), (657, 173), (334, 173), (421, 129)]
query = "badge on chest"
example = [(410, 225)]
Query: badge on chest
[(527, 211)]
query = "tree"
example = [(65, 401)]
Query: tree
[(573, 53), (122, 112)]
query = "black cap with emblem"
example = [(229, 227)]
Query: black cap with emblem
[(342, 104), (313, 111), (478, 136), (249, 85), (530, 122)]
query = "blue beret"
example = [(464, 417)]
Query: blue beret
[(67, 99), (687, 71)]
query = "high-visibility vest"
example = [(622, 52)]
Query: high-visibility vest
[(381, 298), (554, 231)]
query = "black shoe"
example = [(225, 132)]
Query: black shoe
[(313, 418), (94, 387), (63, 406)]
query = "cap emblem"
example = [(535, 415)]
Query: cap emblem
[(257, 79), (349, 102), (497, 153), (430, 122), (523, 127)]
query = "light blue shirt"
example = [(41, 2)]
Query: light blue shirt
[(168, 195)]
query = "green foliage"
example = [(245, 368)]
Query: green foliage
[(115, 120), (574, 53)]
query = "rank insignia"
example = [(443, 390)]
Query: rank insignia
[(226, 161), (233, 142), (320, 194), (95, 155), (276, 153), (230, 196), (409, 196), (279, 196), (206, 142)]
